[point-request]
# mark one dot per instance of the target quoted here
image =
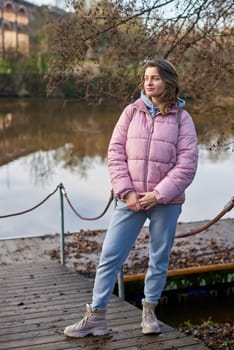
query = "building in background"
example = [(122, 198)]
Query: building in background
[(15, 18), (17, 24)]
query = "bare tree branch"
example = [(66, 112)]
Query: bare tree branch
[(101, 46)]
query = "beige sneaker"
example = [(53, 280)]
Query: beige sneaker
[(93, 323), (149, 322)]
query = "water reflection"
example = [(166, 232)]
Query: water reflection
[(46, 125), (43, 144)]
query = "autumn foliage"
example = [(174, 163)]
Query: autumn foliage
[(101, 46)]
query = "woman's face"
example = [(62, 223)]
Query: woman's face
[(153, 84)]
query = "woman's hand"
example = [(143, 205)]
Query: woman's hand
[(147, 200), (132, 201)]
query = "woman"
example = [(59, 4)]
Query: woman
[(152, 159)]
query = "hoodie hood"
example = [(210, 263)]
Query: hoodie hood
[(153, 109), (181, 102)]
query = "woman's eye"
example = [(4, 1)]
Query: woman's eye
[(152, 78)]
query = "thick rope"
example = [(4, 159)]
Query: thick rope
[(36, 206), (92, 218), (227, 208)]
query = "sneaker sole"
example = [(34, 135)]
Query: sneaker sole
[(150, 331), (82, 334)]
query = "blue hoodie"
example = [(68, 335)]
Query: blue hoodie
[(153, 109)]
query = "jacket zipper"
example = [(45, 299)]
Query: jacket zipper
[(151, 130)]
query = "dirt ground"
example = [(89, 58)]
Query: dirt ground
[(82, 249)]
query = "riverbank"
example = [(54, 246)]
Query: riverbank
[(82, 249)]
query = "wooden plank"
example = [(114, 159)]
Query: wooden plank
[(37, 302)]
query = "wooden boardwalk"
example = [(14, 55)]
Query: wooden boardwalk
[(38, 300)]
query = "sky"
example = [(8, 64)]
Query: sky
[(60, 3), (43, 2)]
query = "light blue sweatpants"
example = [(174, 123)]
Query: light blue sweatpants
[(120, 237)]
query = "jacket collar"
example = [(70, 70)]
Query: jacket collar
[(153, 109)]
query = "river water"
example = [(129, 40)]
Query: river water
[(45, 142)]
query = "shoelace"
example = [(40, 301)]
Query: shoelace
[(149, 316), (84, 320)]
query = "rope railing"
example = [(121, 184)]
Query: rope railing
[(31, 209), (226, 209), (89, 218), (63, 194)]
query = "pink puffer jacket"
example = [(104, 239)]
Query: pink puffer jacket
[(153, 154)]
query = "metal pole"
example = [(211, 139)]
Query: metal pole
[(121, 288), (62, 255)]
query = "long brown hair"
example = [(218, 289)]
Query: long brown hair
[(169, 75)]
